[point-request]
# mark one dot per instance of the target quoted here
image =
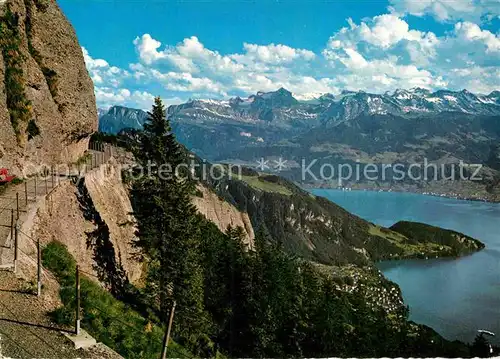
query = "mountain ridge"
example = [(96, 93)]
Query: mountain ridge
[(404, 126), (267, 106)]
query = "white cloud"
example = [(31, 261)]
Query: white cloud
[(378, 54), (476, 79), (108, 81), (449, 10), (191, 67), (274, 54), (107, 97), (382, 31), (188, 56), (102, 73), (185, 82), (380, 75), (471, 32), (383, 53), (147, 48)]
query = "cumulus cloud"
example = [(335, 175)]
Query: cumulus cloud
[(380, 75), (188, 56), (273, 54), (108, 81), (383, 53), (107, 97), (147, 48), (382, 31), (377, 55), (471, 32), (479, 79), (101, 72), (449, 10), (191, 67)]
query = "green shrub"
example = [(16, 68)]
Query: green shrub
[(51, 78), (17, 180), (84, 159), (109, 320), (57, 259), (17, 103)]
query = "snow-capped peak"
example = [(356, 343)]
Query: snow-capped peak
[(309, 96)]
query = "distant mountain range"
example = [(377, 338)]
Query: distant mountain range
[(282, 109), (118, 118), (404, 126)]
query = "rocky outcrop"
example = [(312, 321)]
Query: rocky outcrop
[(223, 214), (317, 229), (47, 102), (111, 201), (93, 219)]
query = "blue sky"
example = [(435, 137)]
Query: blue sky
[(217, 49)]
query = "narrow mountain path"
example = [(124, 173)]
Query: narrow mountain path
[(26, 330), (19, 198)]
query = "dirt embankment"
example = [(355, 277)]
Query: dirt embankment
[(88, 216), (94, 218)]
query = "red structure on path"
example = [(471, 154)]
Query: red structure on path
[(4, 176)]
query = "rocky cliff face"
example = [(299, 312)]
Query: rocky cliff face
[(316, 229), (118, 118), (47, 102), (93, 219), (223, 214)]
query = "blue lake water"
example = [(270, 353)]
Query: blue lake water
[(454, 297)]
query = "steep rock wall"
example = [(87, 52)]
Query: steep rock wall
[(223, 214), (93, 219), (56, 98), (111, 201)]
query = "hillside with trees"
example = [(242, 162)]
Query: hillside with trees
[(275, 300)]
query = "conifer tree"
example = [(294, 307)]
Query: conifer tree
[(168, 232)]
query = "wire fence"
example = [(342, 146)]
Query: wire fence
[(16, 198), (15, 201), (172, 351)]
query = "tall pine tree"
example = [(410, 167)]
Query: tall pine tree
[(168, 230)]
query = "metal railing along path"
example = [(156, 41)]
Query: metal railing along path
[(16, 199)]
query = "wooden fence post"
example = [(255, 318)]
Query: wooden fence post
[(166, 339), (26, 192), (17, 204), (77, 287), (16, 246), (39, 272), (46, 185), (11, 228)]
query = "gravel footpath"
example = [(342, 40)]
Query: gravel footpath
[(25, 327)]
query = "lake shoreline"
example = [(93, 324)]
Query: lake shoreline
[(446, 294), (308, 186)]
